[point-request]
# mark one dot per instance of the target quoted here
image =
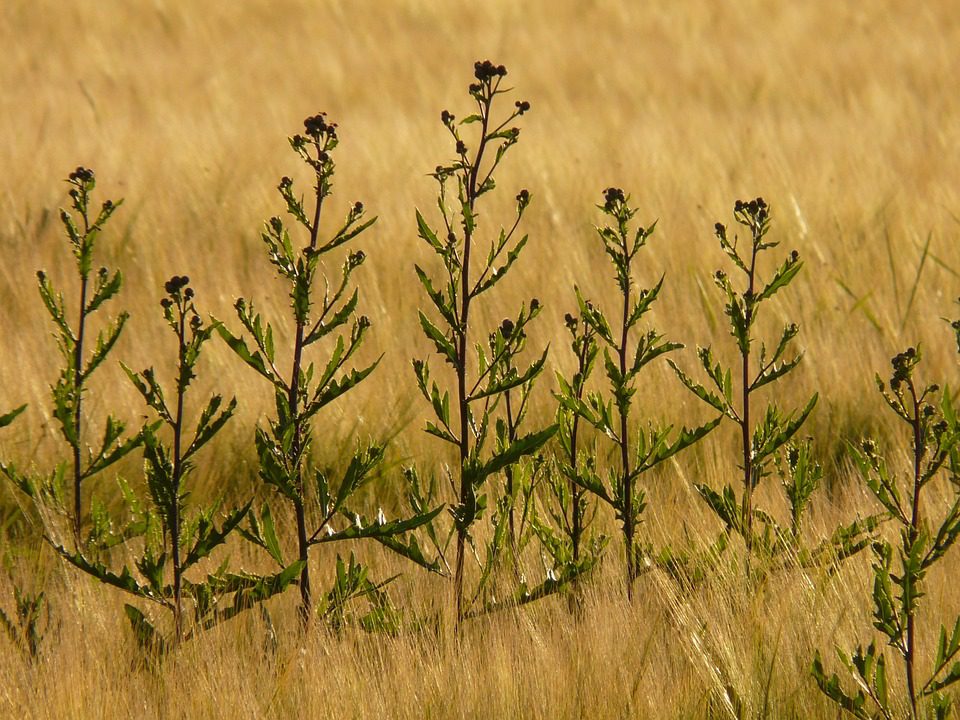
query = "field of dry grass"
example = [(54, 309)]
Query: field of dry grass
[(843, 116)]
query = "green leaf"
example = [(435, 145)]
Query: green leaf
[(209, 537), (781, 279), (148, 639), (254, 360), (475, 474), (443, 344), (11, 416)]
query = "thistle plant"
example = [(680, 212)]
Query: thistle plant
[(570, 512), (764, 439), (483, 375), (900, 568), (83, 228), (624, 356), (284, 447), (173, 539)]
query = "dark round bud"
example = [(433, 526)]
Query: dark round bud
[(569, 320), (738, 206), (451, 238), (41, 275), (358, 207), (166, 303), (928, 411), (475, 88), (285, 183), (196, 322), (534, 305), (170, 286), (363, 322), (794, 256), (322, 156), (523, 197), (356, 259), (506, 328), (461, 148), (793, 456), (522, 106), (107, 205), (446, 117), (188, 293)]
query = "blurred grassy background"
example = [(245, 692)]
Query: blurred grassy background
[(844, 116)]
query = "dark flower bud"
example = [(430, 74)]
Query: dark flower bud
[(107, 205), (82, 174), (793, 456), (357, 207), (522, 106), (170, 286), (612, 196), (64, 216), (869, 447), (41, 275), (523, 198), (934, 388), (74, 194), (570, 321), (475, 88), (928, 411), (501, 71), (534, 305), (794, 256), (719, 230), (941, 427), (240, 304), (720, 275), (506, 328), (895, 383), (315, 125), (322, 156), (461, 148), (195, 322), (451, 238), (446, 117), (363, 322), (738, 206), (356, 259), (188, 293), (285, 183), (166, 303)]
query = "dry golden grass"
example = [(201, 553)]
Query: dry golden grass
[(844, 116)]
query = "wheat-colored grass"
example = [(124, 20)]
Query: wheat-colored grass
[(843, 116)]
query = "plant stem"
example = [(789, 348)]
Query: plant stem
[(745, 414), (576, 492), (914, 531), (462, 350), (293, 398), (177, 472), (624, 408), (77, 416)]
